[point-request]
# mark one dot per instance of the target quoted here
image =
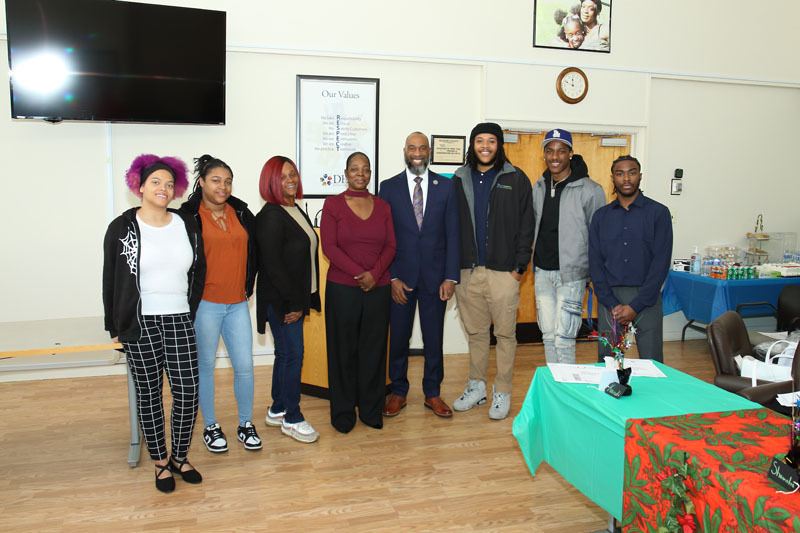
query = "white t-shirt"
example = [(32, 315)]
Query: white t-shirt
[(166, 257)]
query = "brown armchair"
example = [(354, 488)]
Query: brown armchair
[(727, 336), (788, 312)]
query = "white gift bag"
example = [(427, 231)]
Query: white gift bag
[(775, 367)]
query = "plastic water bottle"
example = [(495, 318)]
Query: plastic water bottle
[(708, 262), (695, 266)]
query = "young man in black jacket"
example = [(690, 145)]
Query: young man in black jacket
[(497, 226)]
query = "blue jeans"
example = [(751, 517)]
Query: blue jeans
[(287, 367), (233, 322), (559, 306)]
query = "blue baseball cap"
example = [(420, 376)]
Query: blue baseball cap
[(558, 135)]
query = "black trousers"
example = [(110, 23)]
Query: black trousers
[(167, 345), (649, 324), (357, 327)]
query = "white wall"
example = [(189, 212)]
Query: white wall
[(719, 105)]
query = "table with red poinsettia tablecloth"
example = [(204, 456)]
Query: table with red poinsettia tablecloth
[(719, 460)]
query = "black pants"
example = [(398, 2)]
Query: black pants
[(357, 327), (167, 344), (649, 324)]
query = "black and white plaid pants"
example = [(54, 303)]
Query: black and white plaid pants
[(167, 345)]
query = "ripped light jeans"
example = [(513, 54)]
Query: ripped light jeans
[(559, 306)]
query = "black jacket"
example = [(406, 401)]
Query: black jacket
[(122, 299), (511, 224), (248, 222), (284, 268)]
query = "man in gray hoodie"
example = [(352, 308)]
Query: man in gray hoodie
[(564, 200)]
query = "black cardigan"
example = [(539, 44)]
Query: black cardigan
[(122, 301), (284, 268)]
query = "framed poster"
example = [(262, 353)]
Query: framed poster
[(578, 25), (335, 117), (448, 149)]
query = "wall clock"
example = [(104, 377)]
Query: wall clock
[(572, 85)]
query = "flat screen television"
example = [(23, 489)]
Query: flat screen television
[(115, 61)]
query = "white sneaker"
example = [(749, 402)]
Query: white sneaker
[(474, 394), (274, 419), (300, 431), (501, 404)]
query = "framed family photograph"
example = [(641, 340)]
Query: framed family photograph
[(583, 25)]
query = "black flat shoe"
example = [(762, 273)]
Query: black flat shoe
[(189, 476), (165, 484)]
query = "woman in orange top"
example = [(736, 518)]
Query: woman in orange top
[(227, 226)]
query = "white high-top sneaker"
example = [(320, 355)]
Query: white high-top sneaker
[(501, 404), (474, 394)]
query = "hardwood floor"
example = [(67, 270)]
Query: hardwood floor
[(64, 445)]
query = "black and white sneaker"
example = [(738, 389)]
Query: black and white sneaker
[(247, 435), (214, 439)]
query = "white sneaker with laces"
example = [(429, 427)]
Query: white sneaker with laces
[(474, 394), (274, 419), (299, 431), (501, 404)]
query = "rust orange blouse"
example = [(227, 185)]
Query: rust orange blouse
[(226, 257)]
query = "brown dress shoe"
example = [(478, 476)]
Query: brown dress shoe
[(393, 406), (438, 407)]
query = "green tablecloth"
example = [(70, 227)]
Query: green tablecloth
[(580, 430)]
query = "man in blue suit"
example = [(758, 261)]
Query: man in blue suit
[(425, 270)]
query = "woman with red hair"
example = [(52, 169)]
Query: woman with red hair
[(287, 288), (153, 276)]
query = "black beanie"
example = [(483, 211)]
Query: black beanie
[(487, 127)]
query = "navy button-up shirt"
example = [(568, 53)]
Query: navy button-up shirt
[(482, 186), (630, 248)]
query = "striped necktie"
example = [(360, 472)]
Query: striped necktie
[(417, 201)]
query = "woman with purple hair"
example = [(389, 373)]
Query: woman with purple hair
[(153, 277)]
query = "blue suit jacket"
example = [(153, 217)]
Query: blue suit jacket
[(430, 253)]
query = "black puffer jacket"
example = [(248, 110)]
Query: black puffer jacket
[(511, 223)]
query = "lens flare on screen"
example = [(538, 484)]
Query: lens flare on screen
[(43, 73)]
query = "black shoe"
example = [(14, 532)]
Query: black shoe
[(214, 439), (247, 435), (166, 484), (189, 476)]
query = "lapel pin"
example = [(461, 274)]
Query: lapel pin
[(436, 182)]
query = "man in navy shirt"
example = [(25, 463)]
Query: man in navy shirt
[(630, 247)]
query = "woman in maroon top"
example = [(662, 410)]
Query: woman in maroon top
[(358, 238)]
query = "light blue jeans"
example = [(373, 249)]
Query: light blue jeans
[(559, 306), (233, 322)]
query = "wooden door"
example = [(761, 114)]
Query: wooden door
[(527, 154)]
